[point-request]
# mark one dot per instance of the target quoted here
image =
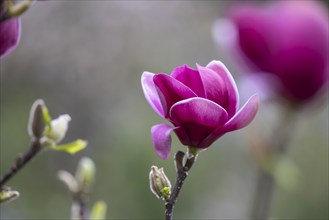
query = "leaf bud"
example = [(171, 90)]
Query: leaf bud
[(98, 211), (85, 174), (8, 195)]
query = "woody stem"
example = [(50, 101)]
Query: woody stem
[(21, 161), (182, 172)]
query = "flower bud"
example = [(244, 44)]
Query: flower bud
[(18, 8), (85, 174), (58, 128), (7, 195), (36, 125), (98, 211), (68, 180), (159, 183)]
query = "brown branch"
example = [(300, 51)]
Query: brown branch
[(80, 202), (21, 161), (182, 172)]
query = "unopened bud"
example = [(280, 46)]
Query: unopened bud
[(18, 8), (85, 174), (59, 128), (11, 9), (68, 180), (36, 125), (98, 212), (7, 195), (159, 183)]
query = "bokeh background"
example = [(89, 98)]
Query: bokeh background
[(85, 58)]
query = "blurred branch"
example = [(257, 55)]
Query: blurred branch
[(80, 186), (36, 127), (79, 206), (21, 161), (275, 147)]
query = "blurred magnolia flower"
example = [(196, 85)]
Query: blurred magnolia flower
[(9, 35), (201, 104), (285, 39)]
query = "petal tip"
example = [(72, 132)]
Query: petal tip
[(216, 62)]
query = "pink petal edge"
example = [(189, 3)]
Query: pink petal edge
[(232, 89), (151, 93), (244, 116), (240, 120), (170, 91), (190, 77)]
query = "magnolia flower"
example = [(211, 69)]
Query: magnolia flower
[(201, 104), (9, 35), (284, 39)]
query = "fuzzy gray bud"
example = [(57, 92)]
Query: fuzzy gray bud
[(159, 183)]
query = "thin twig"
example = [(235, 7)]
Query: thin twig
[(21, 161), (182, 172), (170, 204), (80, 202)]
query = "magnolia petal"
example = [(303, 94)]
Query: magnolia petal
[(9, 35), (232, 91), (151, 93), (161, 140), (212, 137), (199, 110), (244, 116), (171, 91), (198, 117), (214, 86), (190, 77), (183, 136)]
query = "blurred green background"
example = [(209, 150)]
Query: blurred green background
[(86, 58)]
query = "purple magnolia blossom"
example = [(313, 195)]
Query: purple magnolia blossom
[(9, 35), (286, 39), (201, 104)]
